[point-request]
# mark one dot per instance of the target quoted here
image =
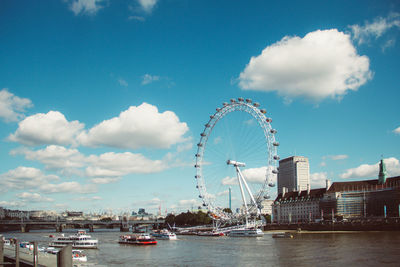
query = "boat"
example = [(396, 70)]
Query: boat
[(210, 233), (141, 239), (246, 232), (77, 255), (164, 234), (79, 240), (283, 235)]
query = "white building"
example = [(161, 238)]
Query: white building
[(267, 206), (298, 206), (294, 174)]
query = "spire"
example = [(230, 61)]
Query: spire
[(382, 172)]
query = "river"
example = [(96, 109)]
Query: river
[(306, 249)]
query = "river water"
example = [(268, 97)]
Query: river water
[(306, 249)]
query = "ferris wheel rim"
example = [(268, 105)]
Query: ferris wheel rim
[(252, 108)]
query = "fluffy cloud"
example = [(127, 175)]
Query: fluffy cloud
[(12, 204), (54, 157), (11, 106), (33, 197), (397, 130), (252, 175), (137, 127), (318, 179), (147, 78), (119, 164), (147, 5), (94, 198), (322, 64), (68, 187), (85, 7), (24, 178), (363, 34), (50, 128), (369, 171)]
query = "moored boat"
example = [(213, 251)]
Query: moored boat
[(283, 235), (78, 255), (164, 234), (211, 233), (141, 239), (79, 240), (246, 232)]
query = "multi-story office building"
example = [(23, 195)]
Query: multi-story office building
[(294, 174)]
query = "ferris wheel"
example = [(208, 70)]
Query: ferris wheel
[(236, 161)]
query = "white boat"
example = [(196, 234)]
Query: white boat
[(164, 234), (79, 240), (77, 255), (137, 239), (246, 232)]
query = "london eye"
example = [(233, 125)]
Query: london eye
[(236, 161)]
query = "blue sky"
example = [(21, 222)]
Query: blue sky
[(102, 102)]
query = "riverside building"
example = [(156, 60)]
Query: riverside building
[(377, 198), (294, 174)]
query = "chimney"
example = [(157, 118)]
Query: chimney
[(283, 191), (308, 189), (328, 184)]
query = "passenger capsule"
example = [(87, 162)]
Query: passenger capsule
[(202, 134), (196, 166), (256, 104), (276, 157), (204, 205), (211, 116), (233, 100), (263, 111), (248, 100), (275, 143), (240, 99), (218, 109), (269, 120), (200, 196), (266, 197), (197, 155), (273, 131), (207, 125), (197, 186), (225, 104), (199, 144), (271, 184), (274, 171), (196, 176)]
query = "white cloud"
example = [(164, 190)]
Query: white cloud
[(137, 127), (119, 164), (363, 34), (105, 180), (24, 178), (223, 193), (139, 18), (372, 171), (147, 78), (318, 179), (147, 5), (11, 106), (54, 157), (68, 187), (252, 175), (337, 157), (50, 128), (85, 7), (94, 198), (122, 82), (33, 197), (12, 204), (322, 64), (397, 130)]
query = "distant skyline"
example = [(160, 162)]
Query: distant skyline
[(102, 102)]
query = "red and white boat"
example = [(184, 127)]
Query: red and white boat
[(141, 239)]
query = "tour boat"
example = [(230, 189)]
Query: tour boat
[(79, 240), (78, 255), (246, 232), (142, 239), (164, 234), (211, 233)]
